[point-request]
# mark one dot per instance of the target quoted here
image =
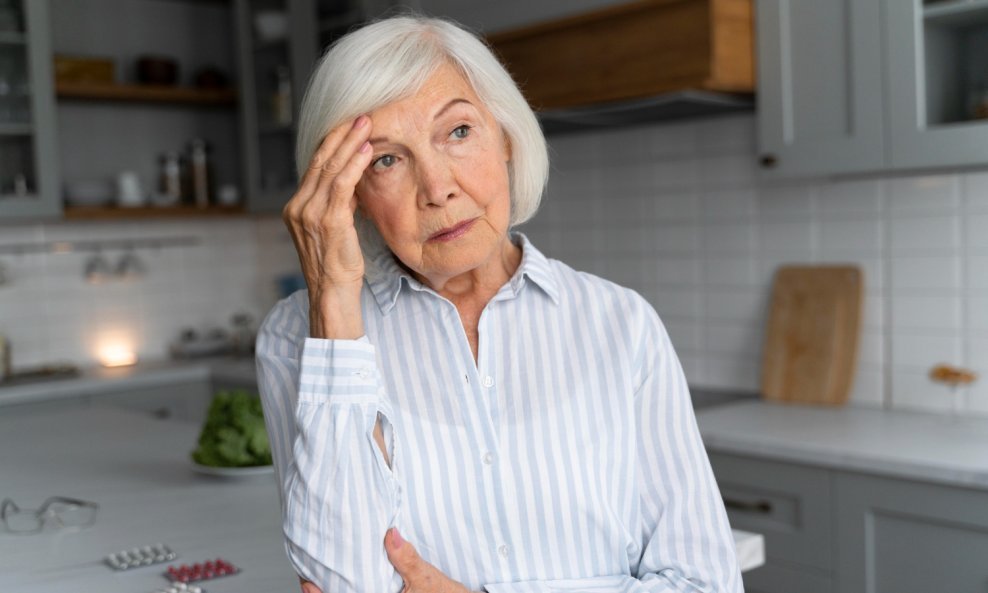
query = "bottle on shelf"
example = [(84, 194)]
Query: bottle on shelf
[(281, 101), (199, 173), (170, 179)]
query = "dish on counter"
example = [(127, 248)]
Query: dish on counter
[(232, 472)]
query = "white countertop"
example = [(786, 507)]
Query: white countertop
[(911, 445), (101, 381), (138, 470)]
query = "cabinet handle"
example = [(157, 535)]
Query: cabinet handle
[(769, 161), (759, 506)]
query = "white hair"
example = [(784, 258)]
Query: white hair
[(389, 60)]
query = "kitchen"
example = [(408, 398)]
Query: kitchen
[(835, 158)]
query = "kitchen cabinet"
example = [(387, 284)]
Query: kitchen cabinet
[(790, 505), (28, 163), (909, 537), (820, 105), (185, 401), (852, 86), (274, 71), (937, 82)]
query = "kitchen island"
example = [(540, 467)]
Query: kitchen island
[(138, 470)]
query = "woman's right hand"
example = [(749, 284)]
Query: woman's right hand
[(320, 219)]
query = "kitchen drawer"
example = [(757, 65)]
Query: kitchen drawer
[(789, 504), (780, 578)]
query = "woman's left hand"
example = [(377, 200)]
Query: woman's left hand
[(419, 575)]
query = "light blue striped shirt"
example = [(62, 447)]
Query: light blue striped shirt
[(567, 458)]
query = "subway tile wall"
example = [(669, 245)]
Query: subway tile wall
[(50, 314), (676, 211)]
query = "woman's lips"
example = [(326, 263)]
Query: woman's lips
[(454, 232)]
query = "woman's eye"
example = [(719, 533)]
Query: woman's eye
[(461, 132), (384, 161)]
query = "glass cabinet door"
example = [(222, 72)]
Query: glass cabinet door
[(28, 174), (938, 82), (269, 97)]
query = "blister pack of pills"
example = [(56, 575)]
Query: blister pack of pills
[(136, 557), (180, 588), (201, 571)]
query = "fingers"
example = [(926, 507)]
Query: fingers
[(332, 156), (308, 587), (342, 171)]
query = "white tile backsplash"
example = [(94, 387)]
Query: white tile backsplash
[(51, 314), (720, 234), (914, 236)]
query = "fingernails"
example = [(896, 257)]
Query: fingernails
[(361, 122), (396, 538), (365, 147)]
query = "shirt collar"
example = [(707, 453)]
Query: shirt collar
[(386, 278)]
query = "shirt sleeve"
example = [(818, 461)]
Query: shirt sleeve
[(687, 544), (322, 399)]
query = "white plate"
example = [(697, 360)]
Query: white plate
[(232, 472)]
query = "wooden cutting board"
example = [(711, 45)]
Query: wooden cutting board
[(811, 343)]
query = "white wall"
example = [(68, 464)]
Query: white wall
[(50, 313), (672, 210), (676, 212)]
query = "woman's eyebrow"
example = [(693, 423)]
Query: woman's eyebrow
[(442, 110)]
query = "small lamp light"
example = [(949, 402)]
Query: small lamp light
[(116, 355)]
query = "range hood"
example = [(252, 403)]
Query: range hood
[(643, 61)]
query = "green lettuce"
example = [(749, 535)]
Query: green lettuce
[(234, 434)]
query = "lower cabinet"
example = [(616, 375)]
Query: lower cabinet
[(900, 536), (835, 531), (791, 506), (179, 401)]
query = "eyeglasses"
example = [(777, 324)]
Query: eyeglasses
[(63, 512)]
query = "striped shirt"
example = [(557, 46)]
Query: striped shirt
[(566, 458)]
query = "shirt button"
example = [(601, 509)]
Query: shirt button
[(503, 551), (488, 381), (488, 458)]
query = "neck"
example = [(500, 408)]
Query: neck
[(481, 282)]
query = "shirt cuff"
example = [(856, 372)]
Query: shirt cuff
[(338, 371)]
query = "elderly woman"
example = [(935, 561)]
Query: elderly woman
[(449, 409)]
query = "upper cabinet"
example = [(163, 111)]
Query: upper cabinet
[(850, 86), (279, 43), (938, 82), (819, 86), (28, 169)]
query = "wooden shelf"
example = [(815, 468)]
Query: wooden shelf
[(144, 212), (136, 93), (957, 13)]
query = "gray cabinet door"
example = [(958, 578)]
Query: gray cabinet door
[(898, 536), (929, 62), (819, 87), (29, 149)]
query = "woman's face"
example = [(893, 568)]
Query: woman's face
[(440, 162)]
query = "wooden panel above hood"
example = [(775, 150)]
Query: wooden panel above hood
[(631, 51)]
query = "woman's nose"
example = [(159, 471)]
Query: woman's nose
[(437, 183)]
